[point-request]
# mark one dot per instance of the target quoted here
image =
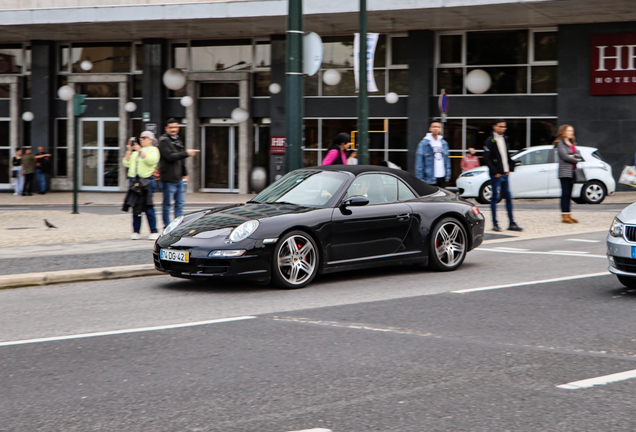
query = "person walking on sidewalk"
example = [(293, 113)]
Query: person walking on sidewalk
[(172, 169), (432, 159), (42, 164), (28, 166), (141, 159), (17, 172), (336, 153), (500, 165), (569, 156)]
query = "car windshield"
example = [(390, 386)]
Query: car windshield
[(303, 188)]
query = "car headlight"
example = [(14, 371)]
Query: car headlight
[(243, 231), (616, 230), (175, 223), (472, 173)]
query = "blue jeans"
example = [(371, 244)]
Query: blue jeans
[(41, 175), (172, 191), (501, 184), (150, 213)]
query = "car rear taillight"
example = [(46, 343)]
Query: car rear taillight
[(475, 210)]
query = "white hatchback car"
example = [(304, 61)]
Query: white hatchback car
[(621, 246), (536, 176)]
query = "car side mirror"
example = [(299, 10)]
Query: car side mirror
[(355, 201)]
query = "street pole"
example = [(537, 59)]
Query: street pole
[(362, 141), (294, 111), (78, 110)]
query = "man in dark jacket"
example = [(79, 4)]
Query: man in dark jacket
[(172, 170), (500, 165)]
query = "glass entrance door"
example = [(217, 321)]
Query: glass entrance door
[(219, 158), (100, 154)]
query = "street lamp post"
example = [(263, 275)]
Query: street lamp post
[(363, 101), (67, 94), (294, 87), (78, 109)]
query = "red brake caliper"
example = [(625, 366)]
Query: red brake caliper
[(300, 247)]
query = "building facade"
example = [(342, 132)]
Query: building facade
[(548, 63)]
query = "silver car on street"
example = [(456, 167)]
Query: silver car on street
[(621, 246)]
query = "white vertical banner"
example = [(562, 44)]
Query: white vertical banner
[(372, 41)]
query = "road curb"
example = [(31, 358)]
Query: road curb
[(63, 276)]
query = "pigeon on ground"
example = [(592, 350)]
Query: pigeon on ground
[(49, 225)]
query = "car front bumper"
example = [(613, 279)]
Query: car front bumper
[(469, 186), (255, 264), (621, 255)]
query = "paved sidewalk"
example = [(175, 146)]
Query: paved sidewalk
[(94, 246)]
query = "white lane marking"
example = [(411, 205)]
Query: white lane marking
[(511, 249), (540, 253), (561, 279), (313, 430), (570, 252), (118, 332), (621, 376), (584, 241)]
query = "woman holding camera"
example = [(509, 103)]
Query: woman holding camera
[(141, 159), (569, 156)]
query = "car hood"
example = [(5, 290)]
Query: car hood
[(628, 215), (212, 221)]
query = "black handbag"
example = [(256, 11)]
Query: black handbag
[(579, 176), (139, 184)]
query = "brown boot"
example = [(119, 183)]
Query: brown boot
[(566, 218), (573, 220)]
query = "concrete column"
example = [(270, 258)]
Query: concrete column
[(70, 141), (277, 103), (42, 94), (193, 138), (153, 90), (245, 148), (15, 112), (421, 63), (124, 132)]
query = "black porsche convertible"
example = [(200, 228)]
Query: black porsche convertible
[(322, 220)]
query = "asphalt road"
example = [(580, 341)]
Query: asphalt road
[(394, 349)]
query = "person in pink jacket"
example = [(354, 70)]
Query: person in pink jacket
[(336, 154), (470, 160)]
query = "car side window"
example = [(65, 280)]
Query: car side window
[(535, 157), (404, 193), (378, 188)]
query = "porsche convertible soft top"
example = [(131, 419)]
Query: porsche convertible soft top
[(418, 185)]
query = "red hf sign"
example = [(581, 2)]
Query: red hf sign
[(613, 64)]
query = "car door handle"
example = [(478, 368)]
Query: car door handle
[(543, 170), (404, 217)]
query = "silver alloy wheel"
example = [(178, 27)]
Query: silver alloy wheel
[(594, 192), (488, 192), (450, 244), (297, 259)]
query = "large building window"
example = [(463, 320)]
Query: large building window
[(387, 139), (390, 67), (516, 61), (110, 57)]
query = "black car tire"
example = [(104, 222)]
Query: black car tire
[(629, 282), (578, 200), (448, 245), (593, 192), (485, 192), (295, 260)]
